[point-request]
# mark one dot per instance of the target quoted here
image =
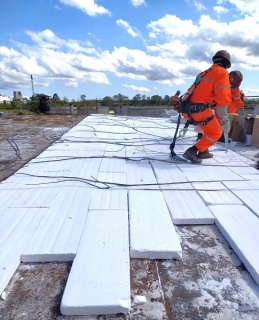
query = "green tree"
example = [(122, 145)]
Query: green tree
[(166, 100), (156, 100), (56, 97), (107, 101), (137, 99), (120, 99), (83, 97)]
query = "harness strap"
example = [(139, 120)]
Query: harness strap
[(199, 107), (203, 123)]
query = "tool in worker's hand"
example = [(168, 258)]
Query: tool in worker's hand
[(176, 158), (226, 142), (182, 133)]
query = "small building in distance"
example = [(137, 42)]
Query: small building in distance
[(4, 99), (17, 95)]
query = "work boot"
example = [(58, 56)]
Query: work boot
[(205, 154), (191, 154)]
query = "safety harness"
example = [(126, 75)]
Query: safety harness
[(188, 107)]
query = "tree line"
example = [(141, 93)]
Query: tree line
[(116, 100)]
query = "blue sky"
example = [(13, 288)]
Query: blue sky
[(102, 48)]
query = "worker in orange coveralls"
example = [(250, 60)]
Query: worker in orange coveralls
[(237, 104), (238, 96), (176, 103), (212, 90)]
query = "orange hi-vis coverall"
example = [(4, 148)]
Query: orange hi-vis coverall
[(213, 87), (237, 101), (176, 103)]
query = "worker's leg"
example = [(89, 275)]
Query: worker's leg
[(212, 131)]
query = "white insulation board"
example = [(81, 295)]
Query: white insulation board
[(109, 199), (152, 233), (186, 207), (59, 233), (250, 198), (240, 228), (99, 281), (17, 225)]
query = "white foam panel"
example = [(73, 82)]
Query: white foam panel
[(240, 228), (16, 228), (59, 233), (219, 197), (141, 175), (186, 207), (99, 281), (109, 199), (250, 198), (170, 176), (152, 233)]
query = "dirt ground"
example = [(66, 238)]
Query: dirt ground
[(209, 283)]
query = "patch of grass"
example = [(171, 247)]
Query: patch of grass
[(13, 112)]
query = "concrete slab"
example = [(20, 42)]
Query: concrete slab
[(107, 280), (152, 233), (240, 228)]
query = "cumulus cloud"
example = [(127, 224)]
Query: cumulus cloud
[(135, 88), (47, 61), (131, 30), (252, 91), (47, 39), (87, 6), (71, 84), (246, 6), (199, 5), (220, 9), (175, 52), (137, 3), (199, 41)]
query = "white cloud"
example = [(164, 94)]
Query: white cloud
[(220, 9), (176, 52), (47, 39), (57, 7), (87, 6), (250, 90), (131, 30), (198, 42), (136, 89), (137, 3), (246, 6), (200, 6), (71, 84), (170, 26)]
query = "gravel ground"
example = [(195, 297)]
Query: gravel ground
[(209, 283)]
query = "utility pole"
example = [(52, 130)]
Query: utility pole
[(32, 86)]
